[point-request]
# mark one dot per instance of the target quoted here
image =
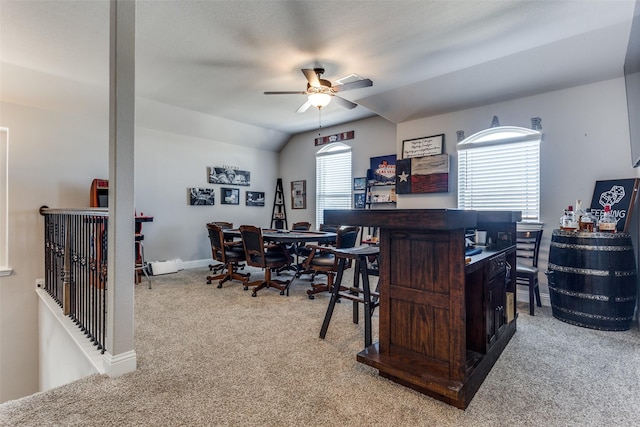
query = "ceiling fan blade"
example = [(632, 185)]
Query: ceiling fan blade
[(296, 92), (344, 103), (303, 107), (352, 85), (312, 77)]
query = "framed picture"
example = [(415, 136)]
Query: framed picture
[(420, 147), (255, 198), (428, 174), (230, 196), (359, 200), (221, 175), (202, 196), (299, 194), (360, 183), (383, 170)]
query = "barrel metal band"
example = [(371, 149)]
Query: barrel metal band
[(590, 271), (591, 247), (578, 294), (592, 316), (605, 298)]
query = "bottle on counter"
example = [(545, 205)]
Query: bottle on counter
[(578, 212), (607, 223), (587, 221), (568, 220)]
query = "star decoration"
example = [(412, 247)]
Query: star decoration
[(403, 176)]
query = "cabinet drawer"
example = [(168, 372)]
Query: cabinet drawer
[(497, 265)]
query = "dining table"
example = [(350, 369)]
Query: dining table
[(288, 236)]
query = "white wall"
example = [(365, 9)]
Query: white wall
[(167, 165), (372, 137)]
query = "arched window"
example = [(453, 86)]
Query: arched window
[(499, 169), (333, 179)]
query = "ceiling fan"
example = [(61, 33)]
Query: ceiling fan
[(320, 91)]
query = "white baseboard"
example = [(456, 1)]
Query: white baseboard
[(120, 364), (197, 263)]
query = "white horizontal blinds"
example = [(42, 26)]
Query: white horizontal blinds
[(333, 179), (501, 176)]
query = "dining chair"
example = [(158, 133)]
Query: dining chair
[(322, 259), (527, 251), (230, 254), (301, 226), (264, 256)]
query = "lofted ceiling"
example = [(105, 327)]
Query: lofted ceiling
[(424, 57)]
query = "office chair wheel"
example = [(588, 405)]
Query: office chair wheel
[(253, 294), (246, 288), (282, 292), (312, 297), (219, 285), (208, 282)]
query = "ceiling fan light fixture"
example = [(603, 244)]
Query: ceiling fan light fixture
[(319, 100)]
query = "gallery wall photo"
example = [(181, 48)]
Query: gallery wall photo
[(255, 198), (202, 196), (222, 175)]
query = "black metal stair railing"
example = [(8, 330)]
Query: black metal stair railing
[(75, 251)]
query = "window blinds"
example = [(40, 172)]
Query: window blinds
[(501, 176), (333, 181)]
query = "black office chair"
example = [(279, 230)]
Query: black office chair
[(527, 251), (225, 226), (267, 257), (229, 254)]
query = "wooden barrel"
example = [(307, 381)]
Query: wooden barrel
[(592, 279)]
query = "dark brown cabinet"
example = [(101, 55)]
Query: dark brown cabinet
[(443, 321)]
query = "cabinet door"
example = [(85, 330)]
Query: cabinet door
[(495, 297)]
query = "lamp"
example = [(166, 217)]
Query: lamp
[(319, 100)]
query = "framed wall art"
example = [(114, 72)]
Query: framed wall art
[(255, 198), (227, 175), (360, 183), (428, 174), (230, 196), (299, 194), (202, 196), (383, 170), (420, 147)]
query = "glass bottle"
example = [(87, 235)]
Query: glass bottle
[(587, 221), (579, 212), (607, 223), (568, 220)]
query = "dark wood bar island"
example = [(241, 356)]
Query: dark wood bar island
[(444, 318)]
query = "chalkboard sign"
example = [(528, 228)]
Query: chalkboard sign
[(620, 194)]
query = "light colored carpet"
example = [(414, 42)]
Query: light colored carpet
[(218, 357)]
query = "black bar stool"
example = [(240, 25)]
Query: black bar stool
[(358, 295)]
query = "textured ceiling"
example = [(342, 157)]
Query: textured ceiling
[(424, 57)]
